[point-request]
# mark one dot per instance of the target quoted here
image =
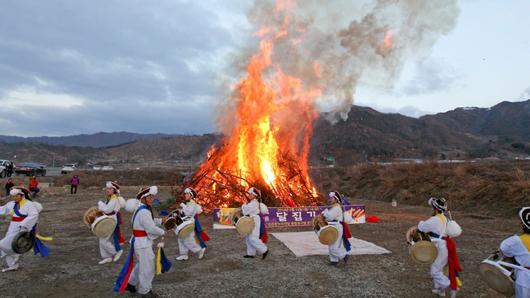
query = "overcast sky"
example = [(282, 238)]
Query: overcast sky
[(71, 67)]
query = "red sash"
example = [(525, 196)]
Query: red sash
[(139, 233), (17, 219)]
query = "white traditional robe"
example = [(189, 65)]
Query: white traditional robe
[(106, 245), (189, 243), (514, 247), (254, 243), (144, 270), (26, 207), (438, 226), (334, 216)]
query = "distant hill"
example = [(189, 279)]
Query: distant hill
[(190, 148), (370, 135), (502, 131), (97, 140), (507, 121), (44, 153)]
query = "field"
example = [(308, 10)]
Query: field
[(72, 269)]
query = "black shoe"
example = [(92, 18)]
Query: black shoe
[(248, 257), (130, 288), (334, 263), (264, 255), (346, 259)]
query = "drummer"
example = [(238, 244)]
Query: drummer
[(24, 216), (518, 246), (110, 246), (435, 227), (139, 270), (257, 238), (334, 215), (193, 209)]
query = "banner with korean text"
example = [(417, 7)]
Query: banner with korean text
[(282, 217)]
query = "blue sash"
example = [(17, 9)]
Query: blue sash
[(38, 246), (126, 270)]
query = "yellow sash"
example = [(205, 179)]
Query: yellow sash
[(441, 217), (158, 261), (525, 238), (20, 205)]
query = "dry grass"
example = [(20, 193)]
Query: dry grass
[(144, 177), (495, 188)]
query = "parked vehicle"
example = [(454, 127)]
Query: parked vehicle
[(107, 168), (68, 168), (6, 168), (96, 168), (30, 169)]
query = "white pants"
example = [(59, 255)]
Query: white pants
[(7, 252), (441, 281), (522, 284), (337, 251), (106, 247), (254, 244), (187, 244), (144, 270)]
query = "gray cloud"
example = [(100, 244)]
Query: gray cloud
[(138, 66)]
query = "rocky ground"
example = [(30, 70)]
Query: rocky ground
[(72, 269)]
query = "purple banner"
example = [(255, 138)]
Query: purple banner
[(281, 217)]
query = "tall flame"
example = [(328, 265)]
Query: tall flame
[(269, 144)]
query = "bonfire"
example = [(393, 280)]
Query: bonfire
[(269, 145), (311, 57)]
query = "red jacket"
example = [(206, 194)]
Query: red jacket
[(33, 184)]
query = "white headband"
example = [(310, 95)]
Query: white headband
[(524, 214), (109, 184), (254, 191), (153, 190), (334, 195), (190, 191), (16, 191)]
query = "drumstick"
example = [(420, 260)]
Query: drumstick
[(517, 267)]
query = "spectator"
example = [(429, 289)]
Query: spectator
[(73, 184), (34, 186), (9, 184), (10, 169)]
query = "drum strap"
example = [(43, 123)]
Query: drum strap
[(136, 213), (434, 235), (19, 216), (525, 239)]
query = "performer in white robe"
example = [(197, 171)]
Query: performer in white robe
[(436, 227), (145, 230), (192, 209), (24, 218), (334, 215), (110, 247), (518, 246), (254, 243)]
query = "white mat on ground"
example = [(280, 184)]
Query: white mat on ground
[(307, 244)]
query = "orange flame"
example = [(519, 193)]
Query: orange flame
[(269, 145)]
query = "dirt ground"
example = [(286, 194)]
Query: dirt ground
[(72, 270)]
